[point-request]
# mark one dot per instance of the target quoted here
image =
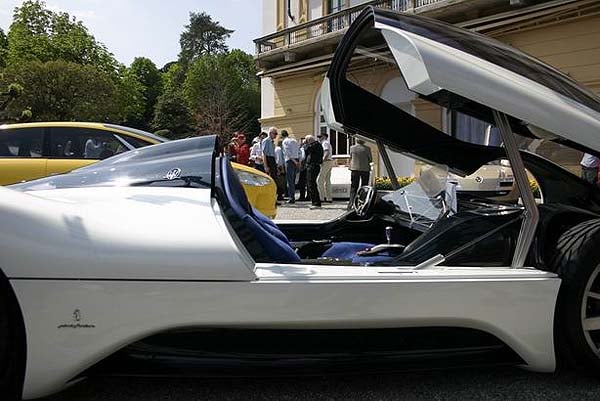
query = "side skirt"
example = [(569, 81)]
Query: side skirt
[(253, 352)]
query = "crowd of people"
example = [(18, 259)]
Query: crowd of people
[(302, 167)]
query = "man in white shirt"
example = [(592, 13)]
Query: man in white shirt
[(291, 154), (256, 155), (589, 168), (324, 179)]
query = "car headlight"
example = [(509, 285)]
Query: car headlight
[(253, 180)]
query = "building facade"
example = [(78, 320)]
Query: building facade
[(300, 37)]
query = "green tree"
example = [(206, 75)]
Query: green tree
[(43, 35), (148, 76), (167, 66), (172, 114), (202, 36), (12, 92), (62, 91), (223, 94), (129, 98), (3, 48)]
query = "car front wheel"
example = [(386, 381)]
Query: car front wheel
[(12, 344), (577, 262)]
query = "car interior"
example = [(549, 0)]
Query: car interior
[(376, 232)]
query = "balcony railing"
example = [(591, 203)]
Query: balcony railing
[(330, 24)]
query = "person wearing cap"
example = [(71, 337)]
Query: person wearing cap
[(324, 179), (243, 150)]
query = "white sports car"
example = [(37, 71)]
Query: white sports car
[(153, 262)]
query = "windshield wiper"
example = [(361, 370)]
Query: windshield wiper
[(189, 181)]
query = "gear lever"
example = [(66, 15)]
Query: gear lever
[(389, 248)]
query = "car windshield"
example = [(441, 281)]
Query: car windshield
[(186, 162), (426, 199)]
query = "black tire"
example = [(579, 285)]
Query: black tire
[(12, 344), (577, 262)]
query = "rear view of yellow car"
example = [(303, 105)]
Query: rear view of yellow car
[(35, 150)]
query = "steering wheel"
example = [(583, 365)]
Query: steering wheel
[(364, 200)]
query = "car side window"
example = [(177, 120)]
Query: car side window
[(21, 142), (83, 143), (136, 142)]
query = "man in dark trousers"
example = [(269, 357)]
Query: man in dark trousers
[(268, 150), (360, 167), (314, 158), (302, 172)]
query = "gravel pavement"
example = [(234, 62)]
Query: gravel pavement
[(480, 384), (302, 211), (464, 384)]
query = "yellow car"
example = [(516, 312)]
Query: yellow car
[(34, 150), (259, 187)]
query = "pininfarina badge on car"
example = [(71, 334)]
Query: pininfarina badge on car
[(154, 262)]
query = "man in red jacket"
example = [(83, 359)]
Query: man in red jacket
[(243, 150)]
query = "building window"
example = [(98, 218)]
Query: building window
[(472, 130), (333, 6), (340, 142)]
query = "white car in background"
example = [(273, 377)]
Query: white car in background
[(340, 182), (495, 179)]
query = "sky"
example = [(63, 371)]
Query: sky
[(151, 28)]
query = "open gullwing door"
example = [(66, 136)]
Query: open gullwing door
[(456, 69)]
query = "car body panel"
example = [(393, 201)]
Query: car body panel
[(78, 234), (17, 169), (517, 306), (61, 166)]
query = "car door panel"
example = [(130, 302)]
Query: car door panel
[(21, 155), (13, 170)]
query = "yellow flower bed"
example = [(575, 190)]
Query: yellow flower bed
[(385, 183)]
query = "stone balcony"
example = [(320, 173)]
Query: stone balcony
[(318, 38)]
